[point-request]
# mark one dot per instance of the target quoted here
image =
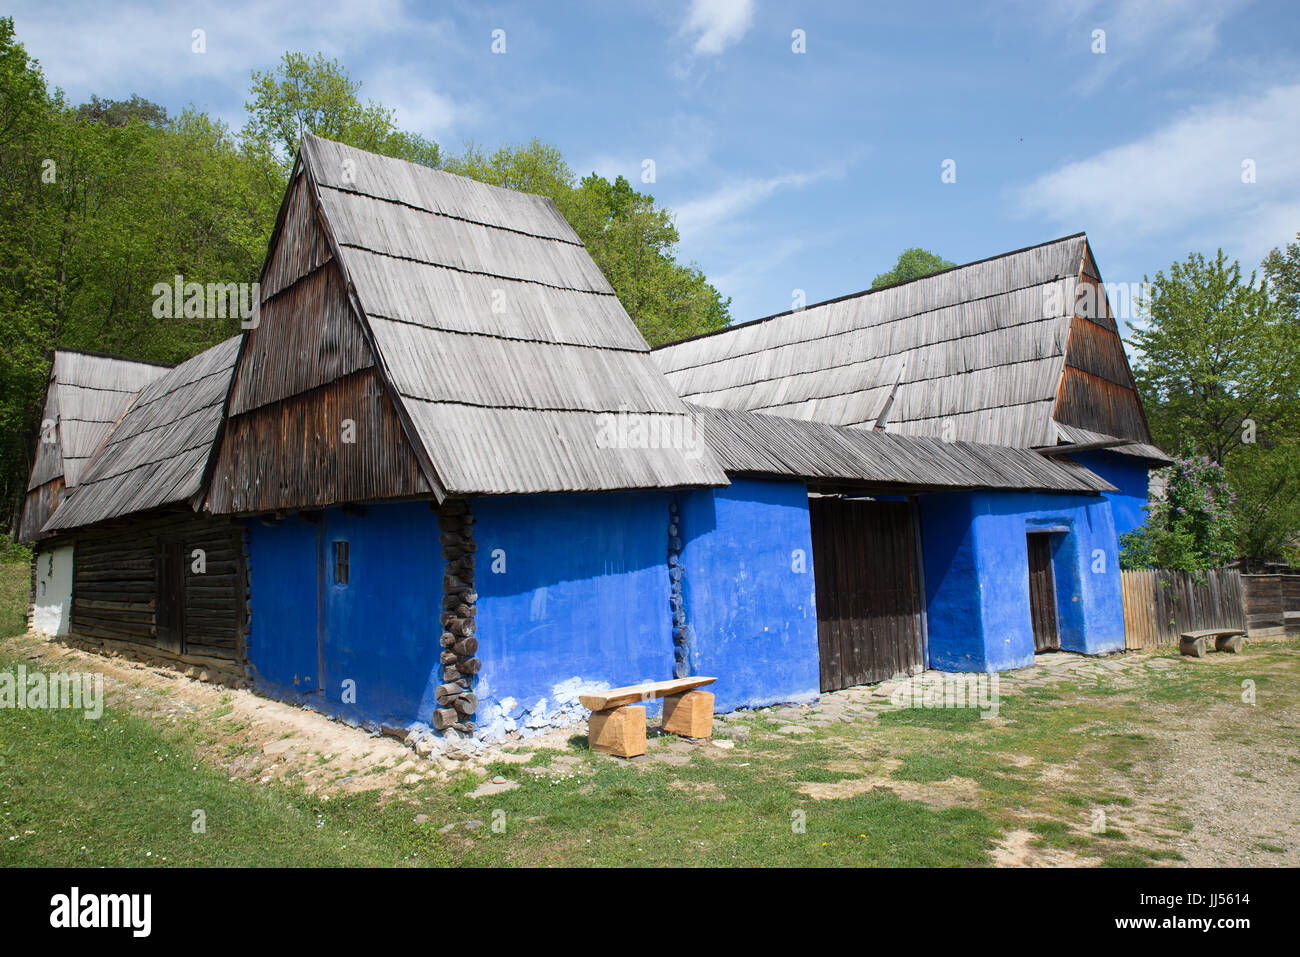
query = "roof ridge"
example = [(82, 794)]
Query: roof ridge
[(869, 291), (114, 356), (433, 169), (851, 330)]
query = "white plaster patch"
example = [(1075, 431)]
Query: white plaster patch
[(560, 709), (52, 611)]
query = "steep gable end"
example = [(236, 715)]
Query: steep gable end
[(1097, 391), (310, 421)]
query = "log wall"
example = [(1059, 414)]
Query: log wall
[(1272, 605), (117, 591)]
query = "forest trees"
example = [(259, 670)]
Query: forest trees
[(912, 264), (1219, 371)]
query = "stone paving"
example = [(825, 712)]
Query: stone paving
[(866, 702)]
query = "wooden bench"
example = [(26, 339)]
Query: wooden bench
[(617, 726), (1192, 643)]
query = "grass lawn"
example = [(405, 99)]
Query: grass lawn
[(911, 787)]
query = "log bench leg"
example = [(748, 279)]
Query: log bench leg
[(689, 714), (618, 731), (1193, 649), (1228, 643)]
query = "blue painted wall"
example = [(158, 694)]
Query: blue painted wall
[(379, 631), (977, 576), (1130, 476), (382, 627), (573, 593), (748, 591), (283, 596)]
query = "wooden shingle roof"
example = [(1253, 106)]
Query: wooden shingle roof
[(87, 393), (505, 344), (759, 444), (158, 452), (975, 353)]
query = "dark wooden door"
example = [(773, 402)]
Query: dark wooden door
[(1042, 593), (870, 624), (169, 611)]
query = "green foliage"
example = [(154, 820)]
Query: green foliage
[(1214, 353), (1267, 511), (1219, 375), (912, 264), (12, 553), (316, 95), (98, 203), (1191, 527), (1282, 270), (26, 281), (121, 112)]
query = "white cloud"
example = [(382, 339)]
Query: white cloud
[(1186, 173), (1140, 34), (685, 146), (706, 212), (717, 24), (115, 49), (419, 107)]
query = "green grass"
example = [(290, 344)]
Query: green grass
[(15, 590), (120, 791), (123, 790)]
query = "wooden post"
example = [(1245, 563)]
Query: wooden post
[(618, 731), (1228, 643), (689, 714)]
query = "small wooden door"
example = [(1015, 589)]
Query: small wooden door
[(869, 605), (1042, 593), (169, 611)]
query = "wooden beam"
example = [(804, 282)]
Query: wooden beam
[(617, 697)]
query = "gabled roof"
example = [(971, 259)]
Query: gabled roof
[(758, 444), (157, 453), (86, 394), (978, 353), (506, 347)]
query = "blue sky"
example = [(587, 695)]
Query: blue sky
[(799, 170)]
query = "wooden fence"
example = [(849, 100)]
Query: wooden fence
[(1272, 604), (1158, 604)]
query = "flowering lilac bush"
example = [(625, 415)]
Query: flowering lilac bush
[(1191, 526)]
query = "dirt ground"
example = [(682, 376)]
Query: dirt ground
[(1217, 784)]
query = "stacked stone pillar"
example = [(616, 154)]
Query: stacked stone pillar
[(455, 695)]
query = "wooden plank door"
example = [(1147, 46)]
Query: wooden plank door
[(1042, 593), (169, 614), (869, 603)]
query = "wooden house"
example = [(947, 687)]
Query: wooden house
[(152, 575), (1020, 351), (444, 482), (86, 394)]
